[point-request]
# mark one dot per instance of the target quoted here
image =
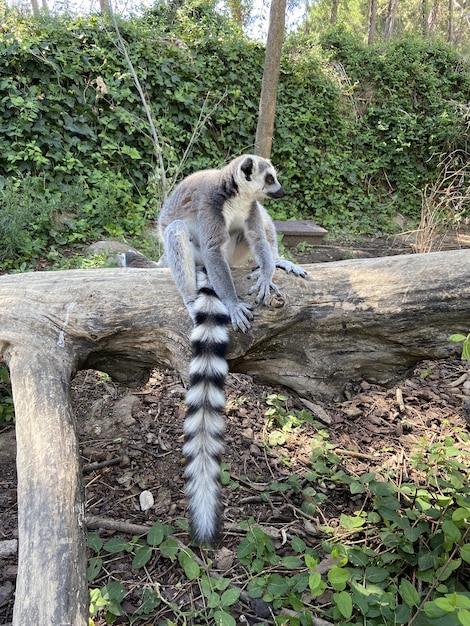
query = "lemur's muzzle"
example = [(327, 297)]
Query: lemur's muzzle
[(280, 193)]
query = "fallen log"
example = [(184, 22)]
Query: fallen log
[(360, 319)]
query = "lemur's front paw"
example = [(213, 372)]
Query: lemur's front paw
[(264, 288), (290, 267), (241, 315)]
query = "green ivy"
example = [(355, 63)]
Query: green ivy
[(359, 130)]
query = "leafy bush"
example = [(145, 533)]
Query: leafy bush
[(358, 133)]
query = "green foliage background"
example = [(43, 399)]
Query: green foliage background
[(358, 135)]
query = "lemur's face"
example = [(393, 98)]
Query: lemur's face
[(261, 177), (272, 187)]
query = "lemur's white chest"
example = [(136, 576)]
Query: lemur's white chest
[(236, 212)]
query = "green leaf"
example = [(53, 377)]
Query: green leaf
[(206, 585), (225, 474), (291, 562), (408, 593), (169, 548), (381, 488), (377, 574), (466, 350), (114, 591), (351, 522), (220, 583), (94, 542), (298, 544), (445, 604), (457, 337), (230, 596), (343, 601), (451, 531), (357, 487), (465, 552), (115, 609), (461, 514), (94, 568), (463, 601), (115, 545), (213, 600), (338, 577), (222, 618), (150, 601), (316, 584), (464, 617), (156, 534), (142, 556), (276, 438), (188, 563), (311, 562)]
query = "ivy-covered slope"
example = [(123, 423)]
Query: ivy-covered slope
[(358, 130)]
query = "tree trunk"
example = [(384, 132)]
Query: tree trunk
[(272, 63), (372, 21), (390, 19), (334, 11), (239, 11), (51, 583), (450, 26), (350, 320), (425, 17), (105, 7)]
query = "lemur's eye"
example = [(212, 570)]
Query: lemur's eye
[(269, 179)]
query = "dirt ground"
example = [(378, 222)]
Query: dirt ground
[(131, 441)]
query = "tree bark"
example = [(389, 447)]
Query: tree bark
[(272, 63), (334, 11), (372, 22), (350, 320), (425, 15), (390, 19), (450, 23)]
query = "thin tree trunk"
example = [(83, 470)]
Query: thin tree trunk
[(425, 18), (390, 20), (334, 11), (450, 28), (372, 21), (105, 7), (267, 104)]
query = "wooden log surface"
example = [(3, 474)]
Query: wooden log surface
[(358, 319)]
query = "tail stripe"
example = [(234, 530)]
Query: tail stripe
[(204, 424)]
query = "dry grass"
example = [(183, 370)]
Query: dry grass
[(445, 204)]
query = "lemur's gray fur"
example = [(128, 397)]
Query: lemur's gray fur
[(213, 220)]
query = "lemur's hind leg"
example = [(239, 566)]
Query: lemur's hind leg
[(179, 257)]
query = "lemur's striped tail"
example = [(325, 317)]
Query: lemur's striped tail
[(204, 424)]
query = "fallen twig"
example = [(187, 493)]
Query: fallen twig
[(91, 467), (400, 402), (355, 455), (459, 381)]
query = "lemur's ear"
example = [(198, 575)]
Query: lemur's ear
[(247, 166)]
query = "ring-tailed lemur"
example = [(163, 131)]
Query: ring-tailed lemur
[(214, 219)]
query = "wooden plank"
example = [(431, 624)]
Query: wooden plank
[(297, 231)]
